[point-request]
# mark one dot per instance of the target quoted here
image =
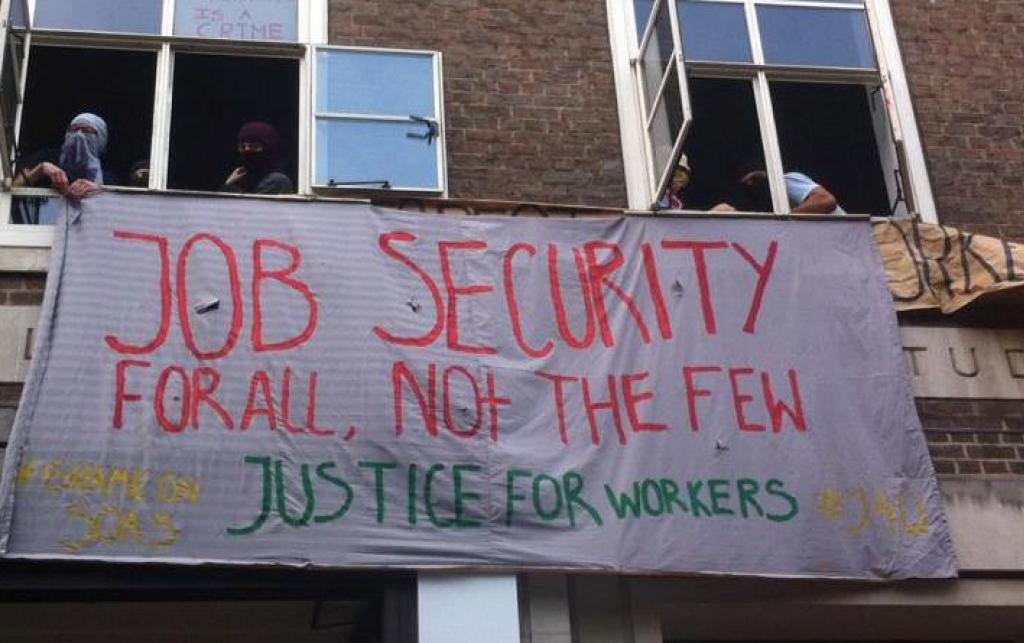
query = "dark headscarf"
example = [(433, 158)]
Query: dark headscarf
[(258, 165)]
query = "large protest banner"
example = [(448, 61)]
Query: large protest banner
[(927, 265), (246, 381)]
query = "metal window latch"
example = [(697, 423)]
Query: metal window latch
[(897, 174), (385, 184), (432, 130)]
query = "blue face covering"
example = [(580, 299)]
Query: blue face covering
[(80, 154), (79, 159)]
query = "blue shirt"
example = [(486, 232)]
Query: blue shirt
[(799, 186)]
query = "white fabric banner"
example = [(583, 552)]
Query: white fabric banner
[(251, 381)]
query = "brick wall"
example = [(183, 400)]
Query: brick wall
[(974, 436), (529, 97), (965, 62), (21, 289)]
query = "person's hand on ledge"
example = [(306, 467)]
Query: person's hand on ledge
[(81, 189)]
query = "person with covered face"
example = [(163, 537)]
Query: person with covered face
[(75, 170), (261, 171)]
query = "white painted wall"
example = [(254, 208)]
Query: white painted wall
[(460, 608)]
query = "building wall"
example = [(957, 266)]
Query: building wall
[(529, 98), (972, 437), (964, 62)]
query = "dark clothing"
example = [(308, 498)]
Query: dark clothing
[(40, 210), (272, 183), (52, 155)]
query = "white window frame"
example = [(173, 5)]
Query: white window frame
[(641, 188), (311, 32), (439, 142)]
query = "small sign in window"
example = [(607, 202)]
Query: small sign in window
[(274, 20)]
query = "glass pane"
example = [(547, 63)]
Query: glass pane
[(714, 32), (237, 19), (657, 55), (815, 37), (36, 210), (375, 83), (19, 11), (723, 143), (350, 151), (99, 87), (642, 12), (214, 96), (826, 131), (8, 109), (130, 16), (8, 79), (666, 124)]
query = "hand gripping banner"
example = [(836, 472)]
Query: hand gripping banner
[(246, 381)]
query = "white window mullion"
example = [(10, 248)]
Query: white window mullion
[(442, 149), (770, 140), (307, 123), (766, 116), (754, 31), (160, 144), (313, 22), (167, 19), (626, 74)]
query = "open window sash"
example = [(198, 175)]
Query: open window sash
[(665, 95), (15, 28), (904, 178), (906, 184)]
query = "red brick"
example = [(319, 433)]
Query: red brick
[(996, 466), (24, 298), (991, 452), (968, 467), (953, 451), (963, 61), (945, 466)]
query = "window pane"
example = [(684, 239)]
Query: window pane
[(214, 95), (8, 87), (357, 151), (99, 86), (131, 16), (237, 19), (826, 132), (724, 141), (714, 32), (815, 37), (36, 210), (667, 123), (657, 55), (642, 12), (375, 83), (18, 13)]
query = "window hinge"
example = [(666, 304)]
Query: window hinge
[(900, 198)]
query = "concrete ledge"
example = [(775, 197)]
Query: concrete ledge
[(986, 516)]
